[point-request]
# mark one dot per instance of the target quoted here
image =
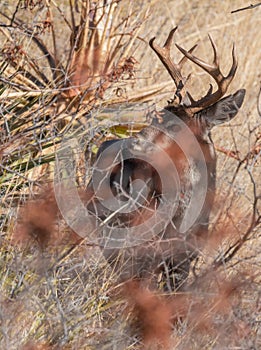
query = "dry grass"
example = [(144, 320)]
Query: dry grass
[(59, 293)]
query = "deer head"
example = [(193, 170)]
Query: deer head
[(177, 142)]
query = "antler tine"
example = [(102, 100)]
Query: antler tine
[(215, 72), (164, 55), (233, 68), (214, 47), (174, 69), (184, 58)]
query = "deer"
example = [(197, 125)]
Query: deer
[(166, 253)]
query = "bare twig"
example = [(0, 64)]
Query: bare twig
[(12, 20), (250, 7)]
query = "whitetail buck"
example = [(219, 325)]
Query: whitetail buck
[(169, 250)]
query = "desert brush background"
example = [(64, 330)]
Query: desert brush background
[(56, 290)]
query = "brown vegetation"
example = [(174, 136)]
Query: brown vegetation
[(56, 291)]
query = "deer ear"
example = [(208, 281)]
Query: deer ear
[(223, 110)]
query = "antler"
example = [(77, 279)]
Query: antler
[(174, 70), (215, 72)]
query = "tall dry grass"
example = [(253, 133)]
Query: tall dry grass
[(57, 292)]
